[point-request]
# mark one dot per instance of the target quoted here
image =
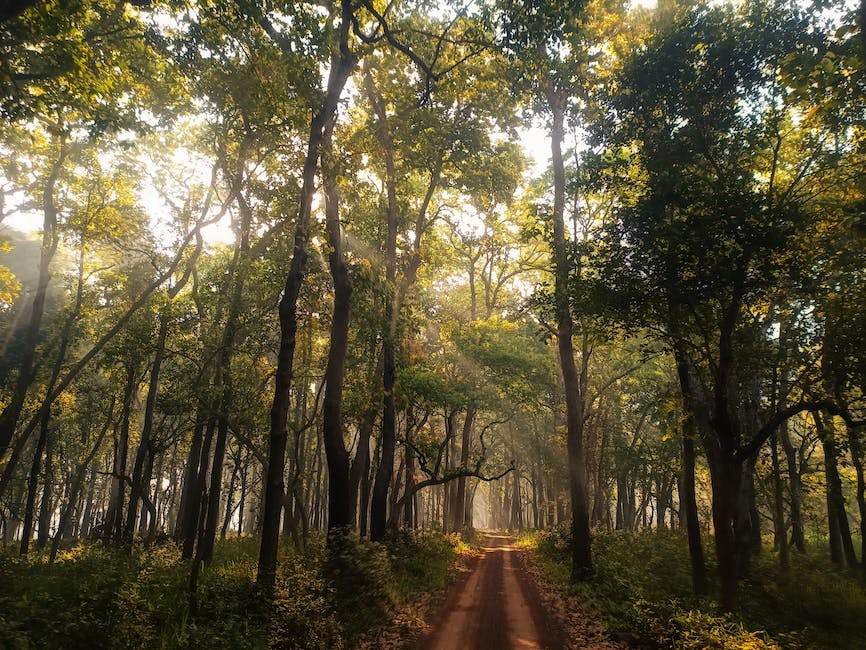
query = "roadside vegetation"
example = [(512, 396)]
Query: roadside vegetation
[(644, 591), (101, 597)]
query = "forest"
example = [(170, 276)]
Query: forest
[(301, 301)]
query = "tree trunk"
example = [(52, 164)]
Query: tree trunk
[(208, 537), (87, 515), (114, 517), (841, 546), (145, 444), (32, 485), (600, 507), (798, 535), (856, 447), (780, 530), (364, 501), (46, 511), (724, 473), (747, 522), (514, 519), (243, 496), (574, 399), (230, 496), (461, 515), (339, 493), (184, 528), (409, 512), (387, 440), (193, 519), (536, 523), (361, 468), (341, 68)]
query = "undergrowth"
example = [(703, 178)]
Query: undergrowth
[(97, 597), (642, 584)]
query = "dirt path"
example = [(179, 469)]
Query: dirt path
[(494, 607)]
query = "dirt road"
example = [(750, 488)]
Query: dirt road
[(494, 607)]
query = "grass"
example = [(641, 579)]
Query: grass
[(98, 597), (642, 584)]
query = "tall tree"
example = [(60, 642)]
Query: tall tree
[(719, 162), (544, 40), (342, 62)]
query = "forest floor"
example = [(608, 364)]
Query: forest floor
[(500, 602)]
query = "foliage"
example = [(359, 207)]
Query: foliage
[(303, 615), (99, 597), (644, 588)]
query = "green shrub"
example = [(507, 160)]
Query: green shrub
[(151, 603), (70, 603), (642, 584), (672, 625), (231, 612), (421, 561), (303, 612), (97, 597), (358, 573)]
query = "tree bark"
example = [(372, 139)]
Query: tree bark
[(341, 68), (856, 447), (780, 530), (841, 546), (361, 468), (184, 528), (145, 444), (725, 477), (581, 557), (32, 485), (114, 517), (46, 511), (465, 447), (339, 492), (193, 518), (378, 506), (798, 534), (747, 523)]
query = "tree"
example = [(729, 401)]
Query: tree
[(72, 99), (342, 64), (720, 162), (545, 43)]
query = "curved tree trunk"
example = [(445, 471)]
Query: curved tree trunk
[(342, 65)]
